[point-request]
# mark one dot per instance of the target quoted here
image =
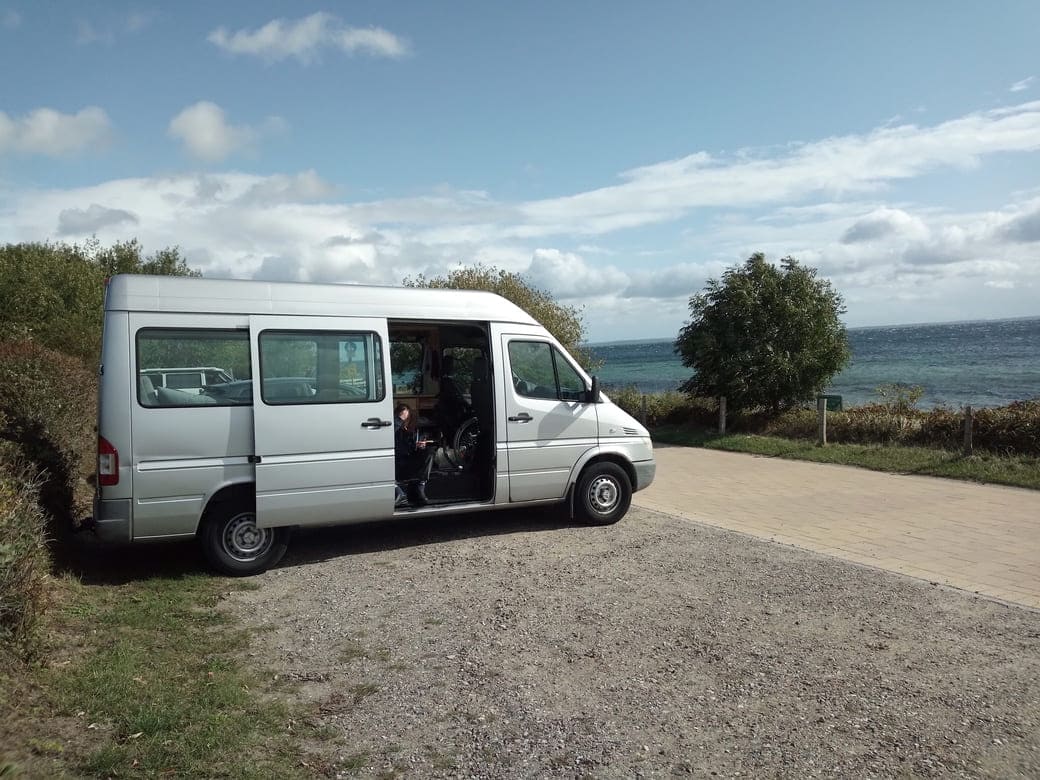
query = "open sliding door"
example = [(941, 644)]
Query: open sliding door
[(323, 420)]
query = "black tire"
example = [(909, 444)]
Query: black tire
[(234, 545), (604, 494)]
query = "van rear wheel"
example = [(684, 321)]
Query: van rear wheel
[(604, 493), (234, 544)]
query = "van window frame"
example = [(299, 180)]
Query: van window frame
[(380, 376)]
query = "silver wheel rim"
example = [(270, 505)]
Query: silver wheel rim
[(604, 495), (243, 541)]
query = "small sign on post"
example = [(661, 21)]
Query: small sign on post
[(821, 418)]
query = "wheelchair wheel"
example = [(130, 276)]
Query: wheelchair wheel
[(466, 438)]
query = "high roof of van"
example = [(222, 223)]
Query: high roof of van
[(135, 292)]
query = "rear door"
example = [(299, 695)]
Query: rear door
[(549, 425), (325, 451)]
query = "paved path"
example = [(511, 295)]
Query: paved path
[(981, 538)]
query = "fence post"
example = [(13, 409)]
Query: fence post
[(642, 407), (821, 418), (968, 425), (722, 415)]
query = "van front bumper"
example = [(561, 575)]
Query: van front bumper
[(112, 519), (645, 472)]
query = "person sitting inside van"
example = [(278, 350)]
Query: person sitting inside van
[(413, 459)]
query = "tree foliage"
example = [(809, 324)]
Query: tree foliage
[(54, 293), (764, 335), (564, 322)]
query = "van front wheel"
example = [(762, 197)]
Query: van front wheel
[(233, 544), (604, 494)]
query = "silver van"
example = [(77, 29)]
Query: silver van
[(305, 433)]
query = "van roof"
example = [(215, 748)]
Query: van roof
[(138, 292)]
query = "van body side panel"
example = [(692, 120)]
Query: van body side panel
[(328, 458), (114, 399), (545, 437), (182, 455)]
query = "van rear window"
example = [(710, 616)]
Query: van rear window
[(193, 367)]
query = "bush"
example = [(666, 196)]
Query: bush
[(54, 293), (669, 408), (1005, 430), (49, 405), (1012, 429), (23, 557)]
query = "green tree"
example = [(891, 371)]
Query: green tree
[(54, 293), (764, 336), (564, 322)]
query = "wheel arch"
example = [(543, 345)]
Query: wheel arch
[(593, 456), (243, 492), (597, 455)]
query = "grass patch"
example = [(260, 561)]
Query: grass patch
[(1014, 470), (362, 691), (145, 681)]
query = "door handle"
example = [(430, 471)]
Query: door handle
[(375, 422), (523, 417)]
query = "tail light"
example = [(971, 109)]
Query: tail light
[(107, 463)]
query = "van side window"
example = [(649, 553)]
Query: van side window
[(541, 371), (318, 367), (192, 367)]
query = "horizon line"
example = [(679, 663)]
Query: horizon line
[(858, 327)]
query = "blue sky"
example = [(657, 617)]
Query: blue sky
[(617, 154)]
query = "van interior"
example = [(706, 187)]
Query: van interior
[(443, 372)]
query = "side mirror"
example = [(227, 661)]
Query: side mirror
[(593, 393)]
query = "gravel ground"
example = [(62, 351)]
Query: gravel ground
[(516, 645)]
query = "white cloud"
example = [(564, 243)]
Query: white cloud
[(1021, 86), (10, 19), (85, 222), (298, 188), (834, 166), (680, 280), (567, 275), (895, 260), (374, 41), (1024, 227), (304, 38), (50, 133), (206, 134), (106, 32), (885, 223)]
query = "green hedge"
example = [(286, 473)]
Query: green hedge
[(24, 561), (48, 407), (49, 402), (1007, 430)]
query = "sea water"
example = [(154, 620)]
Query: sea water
[(988, 363)]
